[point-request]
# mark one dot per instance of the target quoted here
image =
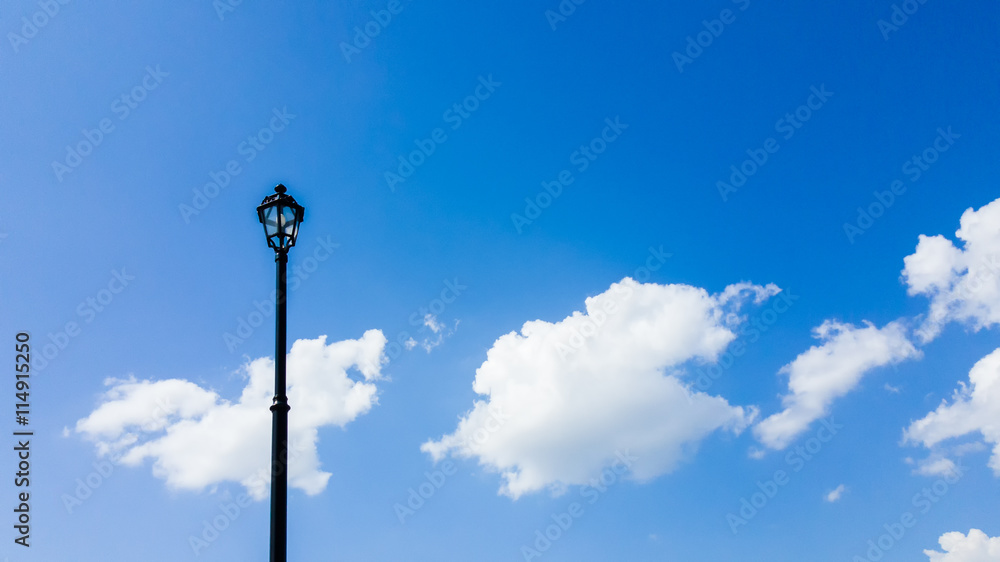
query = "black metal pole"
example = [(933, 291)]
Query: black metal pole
[(279, 426)]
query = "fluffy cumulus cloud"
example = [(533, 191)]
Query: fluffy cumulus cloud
[(830, 370), (561, 401), (974, 408), (963, 284), (196, 439), (977, 546)]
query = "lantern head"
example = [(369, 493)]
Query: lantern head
[(281, 217)]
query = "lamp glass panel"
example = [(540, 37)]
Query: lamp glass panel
[(271, 221), (288, 220)]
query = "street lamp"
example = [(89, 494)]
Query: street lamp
[(281, 217)]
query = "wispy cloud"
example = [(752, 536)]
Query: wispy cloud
[(438, 330), (831, 370), (835, 494)]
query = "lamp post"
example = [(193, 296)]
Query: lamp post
[(281, 217)]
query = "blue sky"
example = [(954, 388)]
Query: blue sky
[(118, 117)]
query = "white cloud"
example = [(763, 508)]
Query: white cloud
[(830, 370), (977, 546), (936, 466), (835, 494), (198, 439), (963, 284), (431, 322), (599, 384), (437, 328), (966, 448), (974, 408)]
